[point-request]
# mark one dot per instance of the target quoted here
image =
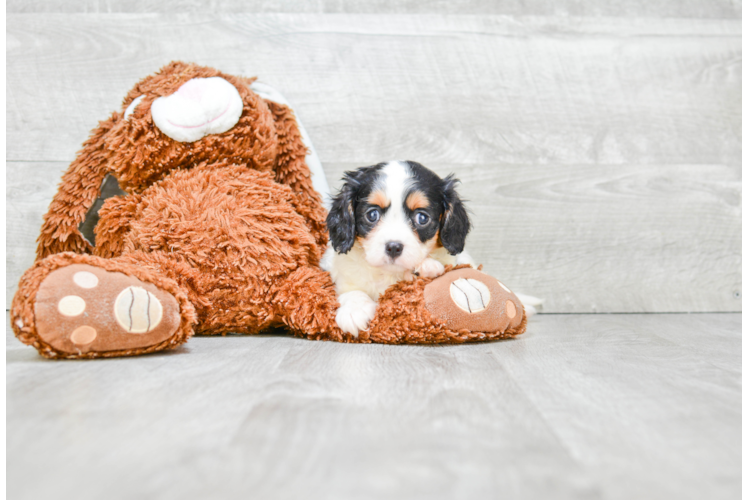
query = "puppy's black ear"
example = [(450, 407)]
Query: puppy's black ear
[(341, 221), (455, 224)]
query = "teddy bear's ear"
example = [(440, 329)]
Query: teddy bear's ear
[(341, 221), (307, 164)]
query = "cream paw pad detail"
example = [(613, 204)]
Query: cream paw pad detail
[(137, 310), (467, 299), (81, 308)]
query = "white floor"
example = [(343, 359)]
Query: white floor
[(581, 406)]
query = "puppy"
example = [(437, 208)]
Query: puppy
[(391, 221)]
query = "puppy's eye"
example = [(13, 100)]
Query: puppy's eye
[(422, 219), (372, 215)]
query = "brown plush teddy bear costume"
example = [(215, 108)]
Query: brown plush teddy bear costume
[(219, 230)]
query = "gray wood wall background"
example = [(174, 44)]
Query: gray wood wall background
[(599, 143)]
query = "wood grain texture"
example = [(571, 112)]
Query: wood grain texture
[(602, 156), (744, 205), (638, 8), (457, 89), (581, 406), (29, 188)]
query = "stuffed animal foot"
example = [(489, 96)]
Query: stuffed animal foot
[(462, 305), (83, 311), (467, 299)]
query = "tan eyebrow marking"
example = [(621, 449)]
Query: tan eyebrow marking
[(379, 198), (417, 199)]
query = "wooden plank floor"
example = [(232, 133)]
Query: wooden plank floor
[(581, 406)]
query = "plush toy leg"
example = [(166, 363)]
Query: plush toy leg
[(463, 305), (306, 303), (80, 306)]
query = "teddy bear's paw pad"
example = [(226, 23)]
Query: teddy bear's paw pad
[(470, 295), (81, 308), (467, 299), (137, 310)]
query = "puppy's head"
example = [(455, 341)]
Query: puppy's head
[(399, 212)]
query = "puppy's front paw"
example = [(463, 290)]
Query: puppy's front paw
[(431, 268), (355, 311)]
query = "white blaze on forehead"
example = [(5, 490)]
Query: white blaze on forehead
[(200, 107), (395, 179)]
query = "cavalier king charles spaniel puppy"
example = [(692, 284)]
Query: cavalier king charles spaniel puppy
[(391, 221)]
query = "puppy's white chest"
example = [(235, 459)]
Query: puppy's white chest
[(351, 272)]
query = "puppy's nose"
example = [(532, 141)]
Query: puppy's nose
[(393, 249)]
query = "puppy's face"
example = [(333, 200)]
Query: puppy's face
[(399, 212)]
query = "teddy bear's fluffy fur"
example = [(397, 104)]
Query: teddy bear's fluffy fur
[(229, 225)]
